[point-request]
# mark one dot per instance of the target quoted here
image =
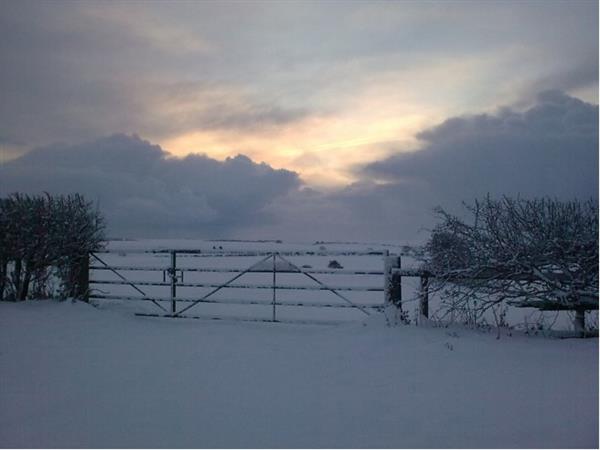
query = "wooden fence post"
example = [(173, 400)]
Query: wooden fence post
[(424, 298), (393, 281), (579, 322), (82, 286)]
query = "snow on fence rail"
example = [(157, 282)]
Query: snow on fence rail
[(231, 253), (273, 263), (299, 287)]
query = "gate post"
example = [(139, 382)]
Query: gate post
[(579, 322), (424, 298), (173, 271), (393, 281), (82, 283)]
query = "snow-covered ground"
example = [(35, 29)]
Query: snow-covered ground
[(77, 376)]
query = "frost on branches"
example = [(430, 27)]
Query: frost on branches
[(539, 253), (42, 238)]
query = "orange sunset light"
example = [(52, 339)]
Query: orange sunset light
[(322, 149)]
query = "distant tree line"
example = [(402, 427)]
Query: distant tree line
[(44, 242), (540, 253)]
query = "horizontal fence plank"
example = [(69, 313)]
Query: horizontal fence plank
[(304, 270), (238, 302), (245, 286), (411, 272), (129, 283), (218, 254), (483, 274), (286, 287), (131, 268), (589, 304), (246, 319), (234, 270)]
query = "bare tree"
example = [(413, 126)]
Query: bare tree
[(43, 234), (540, 253)]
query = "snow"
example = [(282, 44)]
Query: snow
[(78, 376)]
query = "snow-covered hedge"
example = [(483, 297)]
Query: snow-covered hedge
[(45, 237)]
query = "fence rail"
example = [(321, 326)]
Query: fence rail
[(242, 302), (248, 286), (224, 254), (234, 270), (244, 319)]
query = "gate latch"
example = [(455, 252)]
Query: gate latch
[(174, 275)]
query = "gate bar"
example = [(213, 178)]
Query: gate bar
[(124, 279), (233, 253), (232, 301), (227, 270), (244, 319), (223, 285), (325, 286)]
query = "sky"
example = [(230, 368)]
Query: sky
[(297, 120)]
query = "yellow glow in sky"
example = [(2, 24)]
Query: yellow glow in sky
[(322, 149)]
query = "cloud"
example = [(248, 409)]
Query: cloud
[(176, 108), (363, 212), (549, 149), (143, 191), (145, 27), (75, 71), (580, 75), (72, 72)]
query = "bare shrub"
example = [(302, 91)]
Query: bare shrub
[(540, 253), (42, 237)]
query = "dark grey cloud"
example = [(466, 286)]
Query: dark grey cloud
[(364, 212), (143, 191), (550, 149)]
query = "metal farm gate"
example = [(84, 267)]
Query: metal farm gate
[(171, 292)]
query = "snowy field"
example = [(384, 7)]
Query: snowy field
[(78, 376)]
